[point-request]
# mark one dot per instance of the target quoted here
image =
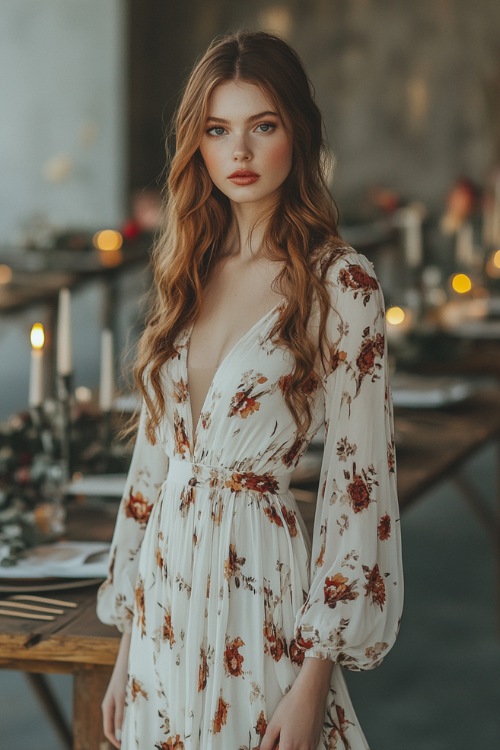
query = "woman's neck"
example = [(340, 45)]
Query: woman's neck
[(246, 234)]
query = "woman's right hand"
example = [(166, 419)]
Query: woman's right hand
[(114, 700)]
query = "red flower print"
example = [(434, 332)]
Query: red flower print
[(137, 689), (232, 657), (272, 514), (355, 277), (293, 452), (338, 589), (374, 586), (298, 646), (384, 528), (391, 457), (168, 631), (337, 357), (359, 492), (261, 725), (370, 349), (233, 563), (249, 481), (276, 644), (138, 507), (220, 717), (290, 520)]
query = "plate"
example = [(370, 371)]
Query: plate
[(25, 585)]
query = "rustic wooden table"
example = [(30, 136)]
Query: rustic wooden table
[(434, 444)]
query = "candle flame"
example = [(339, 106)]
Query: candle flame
[(107, 240), (395, 315), (37, 336), (461, 283)]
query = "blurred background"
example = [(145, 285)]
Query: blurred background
[(410, 94)]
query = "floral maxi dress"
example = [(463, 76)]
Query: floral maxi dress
[(210, 565)]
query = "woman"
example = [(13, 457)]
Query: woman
[(266, 327)]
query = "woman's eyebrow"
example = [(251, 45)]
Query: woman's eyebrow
[(268, 113)]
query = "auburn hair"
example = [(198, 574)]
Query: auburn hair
[(301, 232)]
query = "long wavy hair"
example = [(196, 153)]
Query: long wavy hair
[(301, 230)]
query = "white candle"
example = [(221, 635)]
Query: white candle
[(464, 250), (36, 371), (106, 384), (411, 221), (64, 360)]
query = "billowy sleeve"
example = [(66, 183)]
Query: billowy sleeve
[(148, 470), (354, 604)]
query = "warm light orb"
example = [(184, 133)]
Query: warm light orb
[(37, 336), (107, 240), (83, 394), (5, 274), (495, 259), (461, 283), (395, 315)]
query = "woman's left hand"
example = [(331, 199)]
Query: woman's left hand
[(298, 719)]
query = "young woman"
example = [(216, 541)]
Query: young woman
[(266, 327)]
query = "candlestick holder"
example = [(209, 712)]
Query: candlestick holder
[(64, 391)]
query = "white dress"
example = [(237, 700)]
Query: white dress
[(210, 565)]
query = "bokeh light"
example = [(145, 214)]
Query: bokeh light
[(461, 283), (108, 240), (37, 336)]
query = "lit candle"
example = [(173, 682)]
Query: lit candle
[(106, 384), (36, 373), (64, 364)]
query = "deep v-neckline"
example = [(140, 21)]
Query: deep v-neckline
[(194, 427)]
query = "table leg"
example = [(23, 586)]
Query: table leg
[(88, 691)]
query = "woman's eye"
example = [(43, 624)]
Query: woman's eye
[(218, 130), (266, 127)]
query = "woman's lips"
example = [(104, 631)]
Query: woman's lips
[(243, 177)]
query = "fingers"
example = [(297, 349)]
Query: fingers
[(111, 728), (270, 741)]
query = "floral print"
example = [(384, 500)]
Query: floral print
[(210, 568)]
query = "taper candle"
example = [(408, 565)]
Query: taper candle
[(106, 383), (36, 372), (64, 359)]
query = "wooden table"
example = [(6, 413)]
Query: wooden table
[(434, 446)]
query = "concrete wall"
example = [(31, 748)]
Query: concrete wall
[(62, 118)]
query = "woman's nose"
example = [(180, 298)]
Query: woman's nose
[(241, 150)]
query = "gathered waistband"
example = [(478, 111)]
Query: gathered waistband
[(220, 477)]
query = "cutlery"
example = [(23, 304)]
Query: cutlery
[(26, 615)]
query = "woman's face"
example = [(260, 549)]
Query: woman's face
[(245, 147)]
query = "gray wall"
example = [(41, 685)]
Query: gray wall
[(62, 108)]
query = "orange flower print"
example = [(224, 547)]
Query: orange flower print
[(293, 452), (374, 586), (138, 508), (188, 497), (180, 435), (220, 717), (180, 391), (384, 528), (249, 481), (275, 644), (336, 358), (168, 630), (232, 563), (340, 727), (136, 689), (139, 605), (232, 657), (173, 743), (354, 277), (159, 558), (242, 405), (203, 670), (261, 725), (338, 589), (298, 647), (205, 419)]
